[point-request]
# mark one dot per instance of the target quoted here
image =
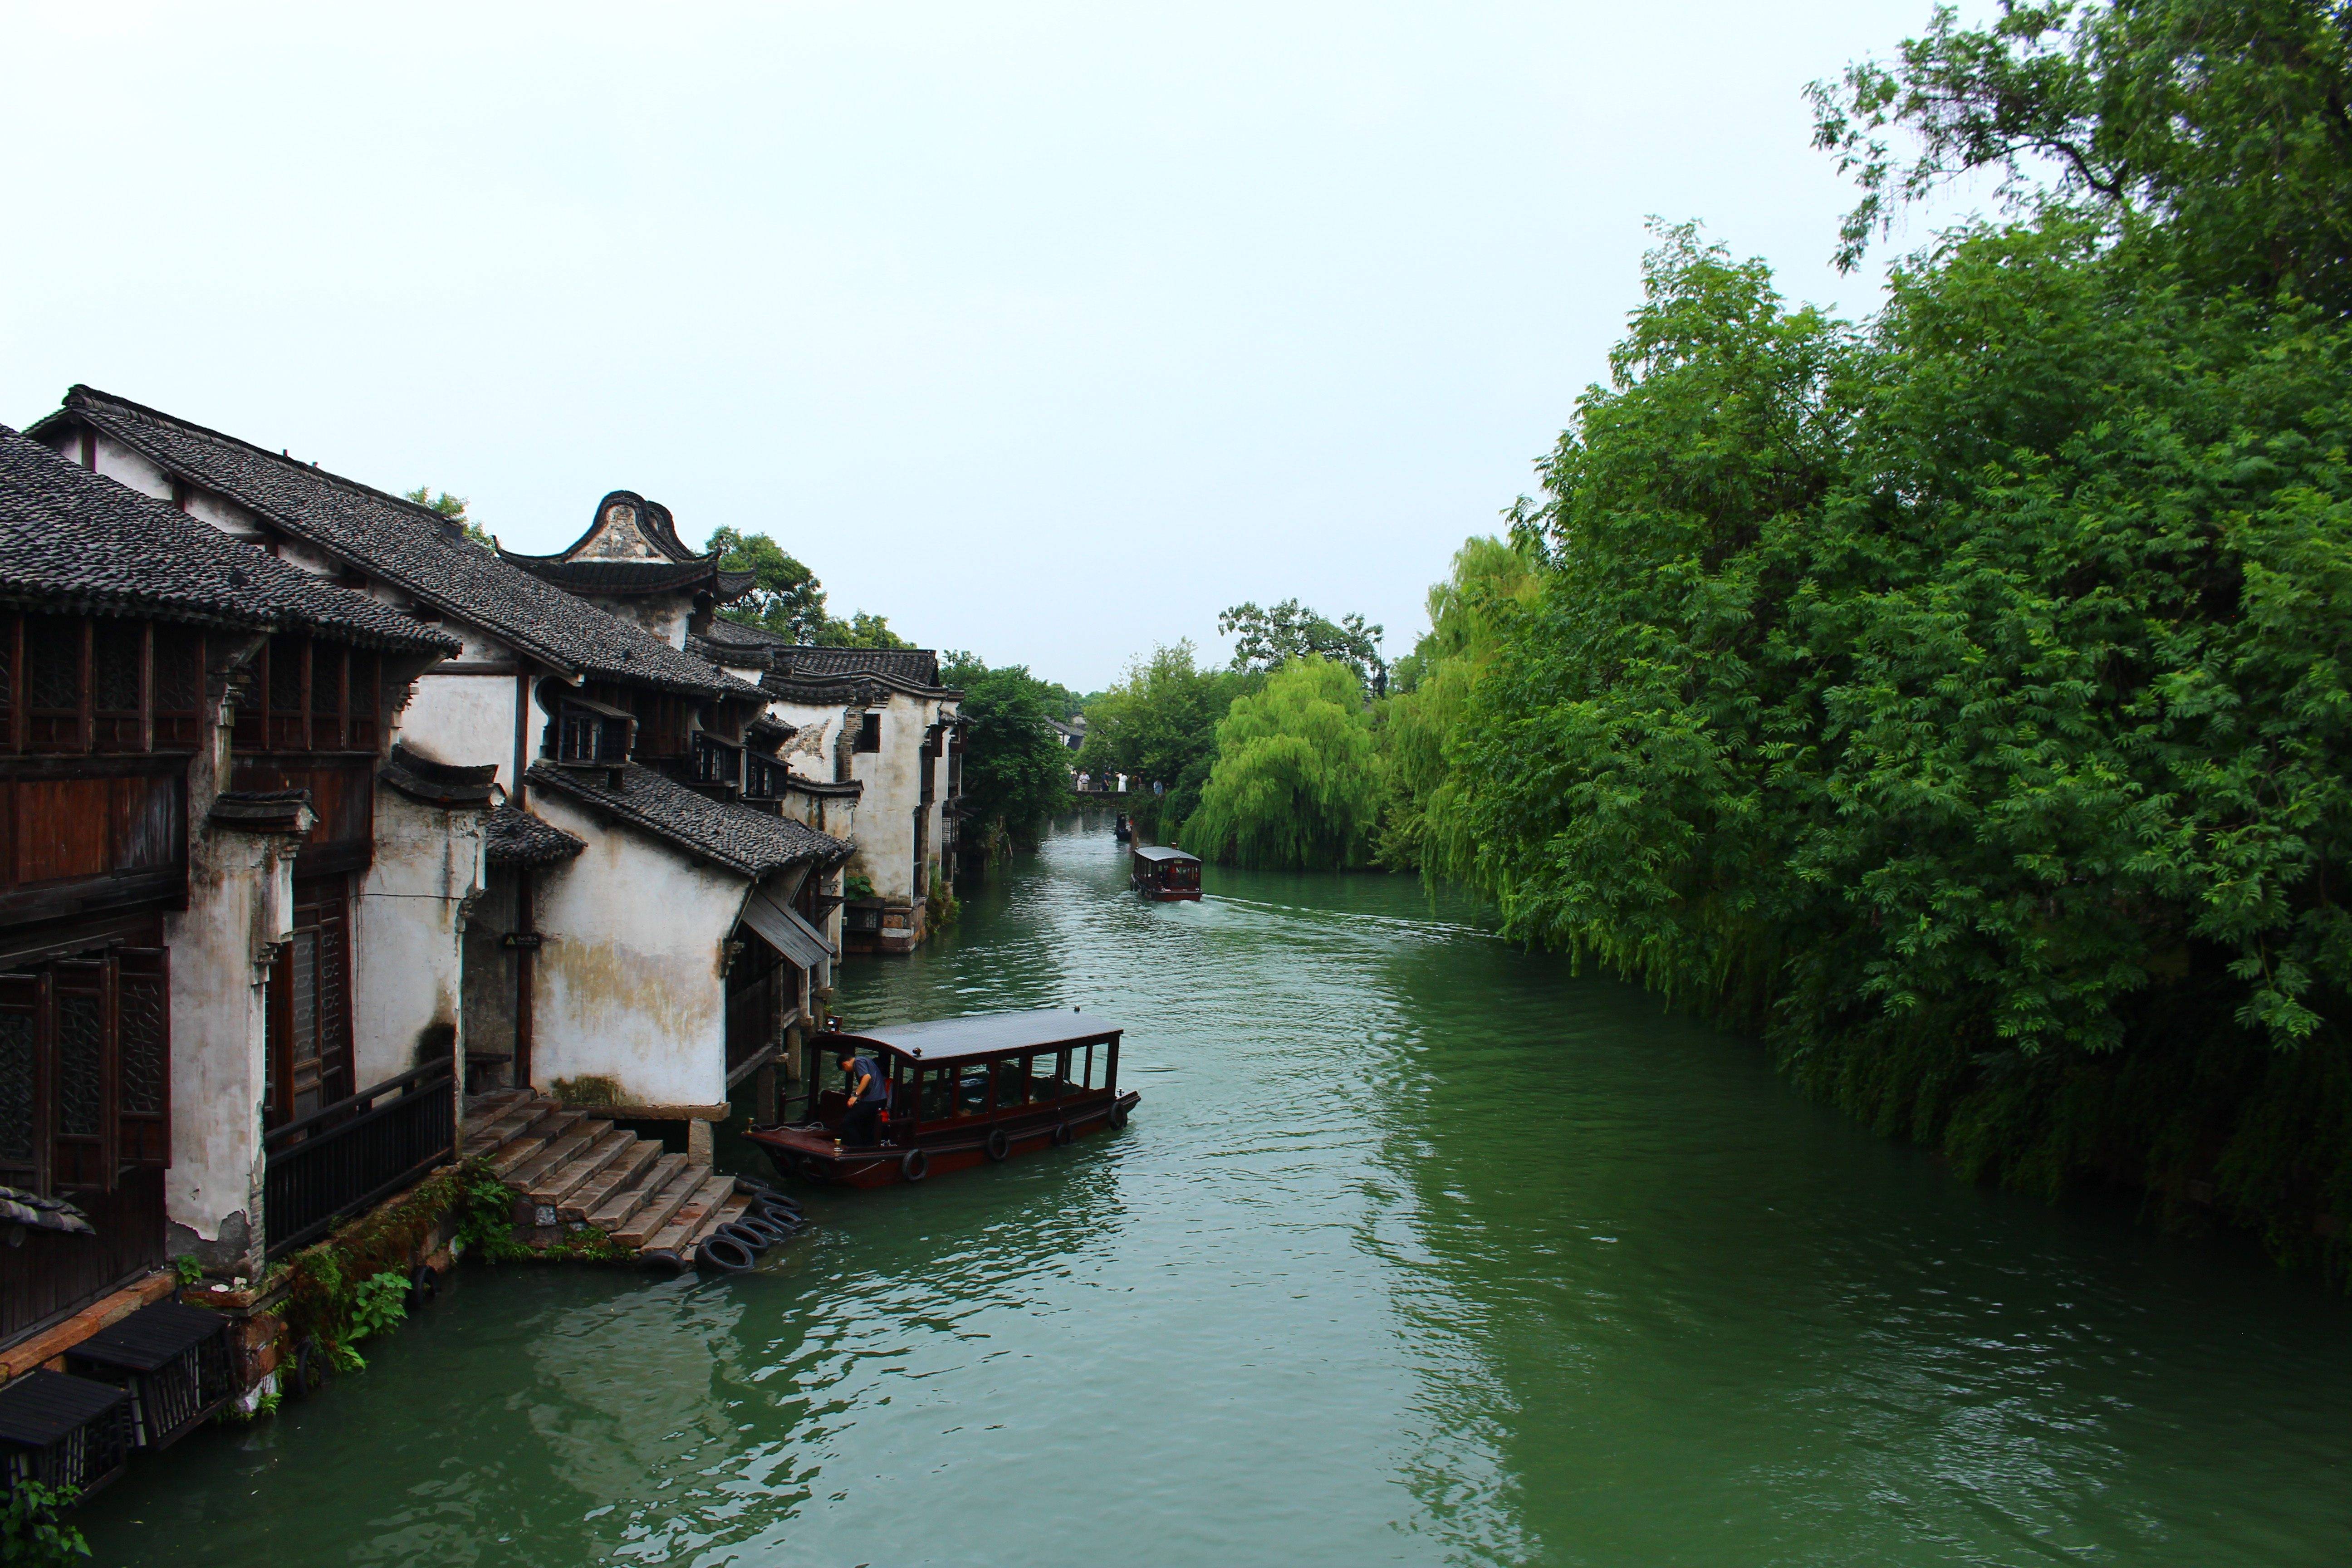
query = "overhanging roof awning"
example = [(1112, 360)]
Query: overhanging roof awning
[(784, 931)]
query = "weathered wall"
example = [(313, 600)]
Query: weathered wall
[(489, 972), (664, 615), (240, 906), (893, 778), (407, 971), (627, 982)]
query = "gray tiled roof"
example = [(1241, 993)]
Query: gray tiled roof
[(514, 838), (750, 842), (401, 541), (902, 666), (72, 541)]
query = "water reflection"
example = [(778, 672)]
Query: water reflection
[(1419, 1250)]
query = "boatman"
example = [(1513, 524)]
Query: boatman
[(867, 1095)]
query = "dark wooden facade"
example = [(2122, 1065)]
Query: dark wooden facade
[(102, 716)]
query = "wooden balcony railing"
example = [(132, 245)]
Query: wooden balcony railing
[(357, 1151)]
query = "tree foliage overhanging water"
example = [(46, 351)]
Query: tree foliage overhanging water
[(1957, 698)]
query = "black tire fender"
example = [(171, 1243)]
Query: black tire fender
[(1117, 1116), (914, 1165), (1062, 1134), (753, 1240), (424, 1288), (999, 1145), (726, 1254), (313, 1368), (770, 1234)]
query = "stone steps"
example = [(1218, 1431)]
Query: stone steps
[(570, 1169)]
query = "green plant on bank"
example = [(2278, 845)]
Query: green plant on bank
[(940, 905), (334, 1289), (30, 1532), (1956, 698), (856, 885), (188, 1269), (486, 1228)]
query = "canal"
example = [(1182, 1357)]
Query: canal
[(1419, 1250)]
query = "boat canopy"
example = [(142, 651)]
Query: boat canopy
[(955, 1039), (1167, 854)]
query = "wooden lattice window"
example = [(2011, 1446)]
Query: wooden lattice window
[(285, 676), (179, 688), (362, 691), (117, 667), (57, 650), (85, 1070)]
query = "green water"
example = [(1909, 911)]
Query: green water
[(1418, 1250)]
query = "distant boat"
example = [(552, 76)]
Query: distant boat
[(1122, 830), (1165, 873), (962, 1090)]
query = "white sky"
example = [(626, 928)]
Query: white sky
[(1046, 329)]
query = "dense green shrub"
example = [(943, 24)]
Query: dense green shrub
[(1958, 698)]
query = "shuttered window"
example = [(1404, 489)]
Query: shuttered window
[(309, 1004), (85, 1071)]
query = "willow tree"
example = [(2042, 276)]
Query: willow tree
[(1297, 783), (1470, 619)]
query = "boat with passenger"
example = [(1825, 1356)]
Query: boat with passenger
[(1161, 871), (960, 1091)]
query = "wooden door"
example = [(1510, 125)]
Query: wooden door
[(310, 1005)]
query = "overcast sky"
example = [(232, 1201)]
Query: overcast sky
[(1046, 329)]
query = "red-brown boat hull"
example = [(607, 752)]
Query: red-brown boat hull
[(814, 1155)]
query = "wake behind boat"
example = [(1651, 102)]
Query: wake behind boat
[(958, 1092)]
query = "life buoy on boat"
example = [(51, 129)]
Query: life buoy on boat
[(915, 1165), (999, 1145), (725, 1253)]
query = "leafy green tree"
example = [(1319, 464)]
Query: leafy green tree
[(1265, 640), (1297, 783), (1016, 772), (861, 631), (453, 509), (786, 597), (2212, 132), (1159, 725)]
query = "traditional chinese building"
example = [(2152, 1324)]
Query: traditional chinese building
[(879, 721), (578, 972), (196, 758)]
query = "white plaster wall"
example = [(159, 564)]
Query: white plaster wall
[(121, 463), (467, 720), (627, 983), (408, 969), (893, 778)]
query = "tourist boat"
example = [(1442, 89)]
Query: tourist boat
[(1162, 872), (962, 1090), (1122, 830)]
